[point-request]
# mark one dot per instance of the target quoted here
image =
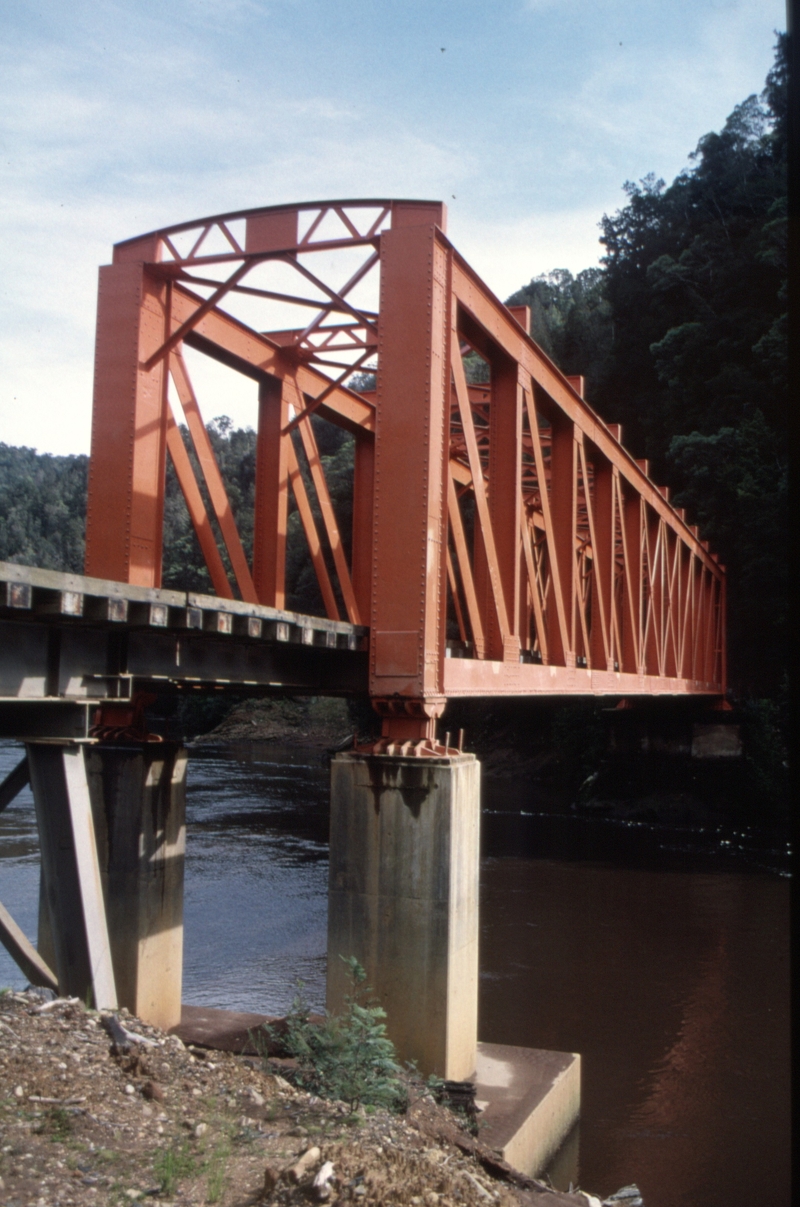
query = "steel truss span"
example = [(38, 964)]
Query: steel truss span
[(503, 542)]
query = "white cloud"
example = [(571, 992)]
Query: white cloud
[(508, 254), (147, 116)]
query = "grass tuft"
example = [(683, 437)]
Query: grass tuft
[(171, 1165)]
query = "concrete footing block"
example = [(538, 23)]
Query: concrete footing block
[(530, 1100)]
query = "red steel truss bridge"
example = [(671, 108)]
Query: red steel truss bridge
[(503, 542)]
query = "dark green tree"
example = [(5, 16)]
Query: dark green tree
[(42, 509), (695, 276), (571, 321)]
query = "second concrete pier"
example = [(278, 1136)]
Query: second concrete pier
[(403, 899)]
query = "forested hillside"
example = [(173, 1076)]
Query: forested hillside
[(42, 508), (681, 335)]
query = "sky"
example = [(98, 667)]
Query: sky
[(525, 116)]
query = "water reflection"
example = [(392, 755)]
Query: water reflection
[(674, 988)]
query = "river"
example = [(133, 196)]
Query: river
[(661, 955)]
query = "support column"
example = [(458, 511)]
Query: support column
[(71, 873), (139, 803), (403, 899), (272, 494), (363, 497), (632, 653), (604, 569), (112, 836), (125, 494), (505, 493), (563, 508), (409, 536)]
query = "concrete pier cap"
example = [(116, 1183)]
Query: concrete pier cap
[(403, 899)]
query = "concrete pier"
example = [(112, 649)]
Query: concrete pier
[(138, 795), (111, 823), (71, 886), (403, 899)]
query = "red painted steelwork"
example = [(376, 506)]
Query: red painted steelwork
[(503, 541)]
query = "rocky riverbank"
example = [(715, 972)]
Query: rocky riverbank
[(89, 1118)]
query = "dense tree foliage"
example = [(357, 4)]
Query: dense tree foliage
[(682, 337), (42, 508)]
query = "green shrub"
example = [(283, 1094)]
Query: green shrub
[(347, 1057), (58, 1123)]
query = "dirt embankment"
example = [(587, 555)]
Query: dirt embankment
[(85, 1121)]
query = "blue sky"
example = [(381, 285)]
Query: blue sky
[(525, 116)]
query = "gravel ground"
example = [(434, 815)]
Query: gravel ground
[(86, 1121)]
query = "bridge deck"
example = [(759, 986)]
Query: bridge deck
[(68, 642)]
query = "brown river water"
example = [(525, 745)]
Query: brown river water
[(661, 955)]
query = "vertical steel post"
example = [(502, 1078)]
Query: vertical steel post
[(363, 491), (653, 610), (411, 451), (563, 502), (603, 563), (632, 654), (125, 503), (672, 603), (483, 586), (272, 493), (505, 483)]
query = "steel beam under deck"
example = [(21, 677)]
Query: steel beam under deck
[(68, 643)]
